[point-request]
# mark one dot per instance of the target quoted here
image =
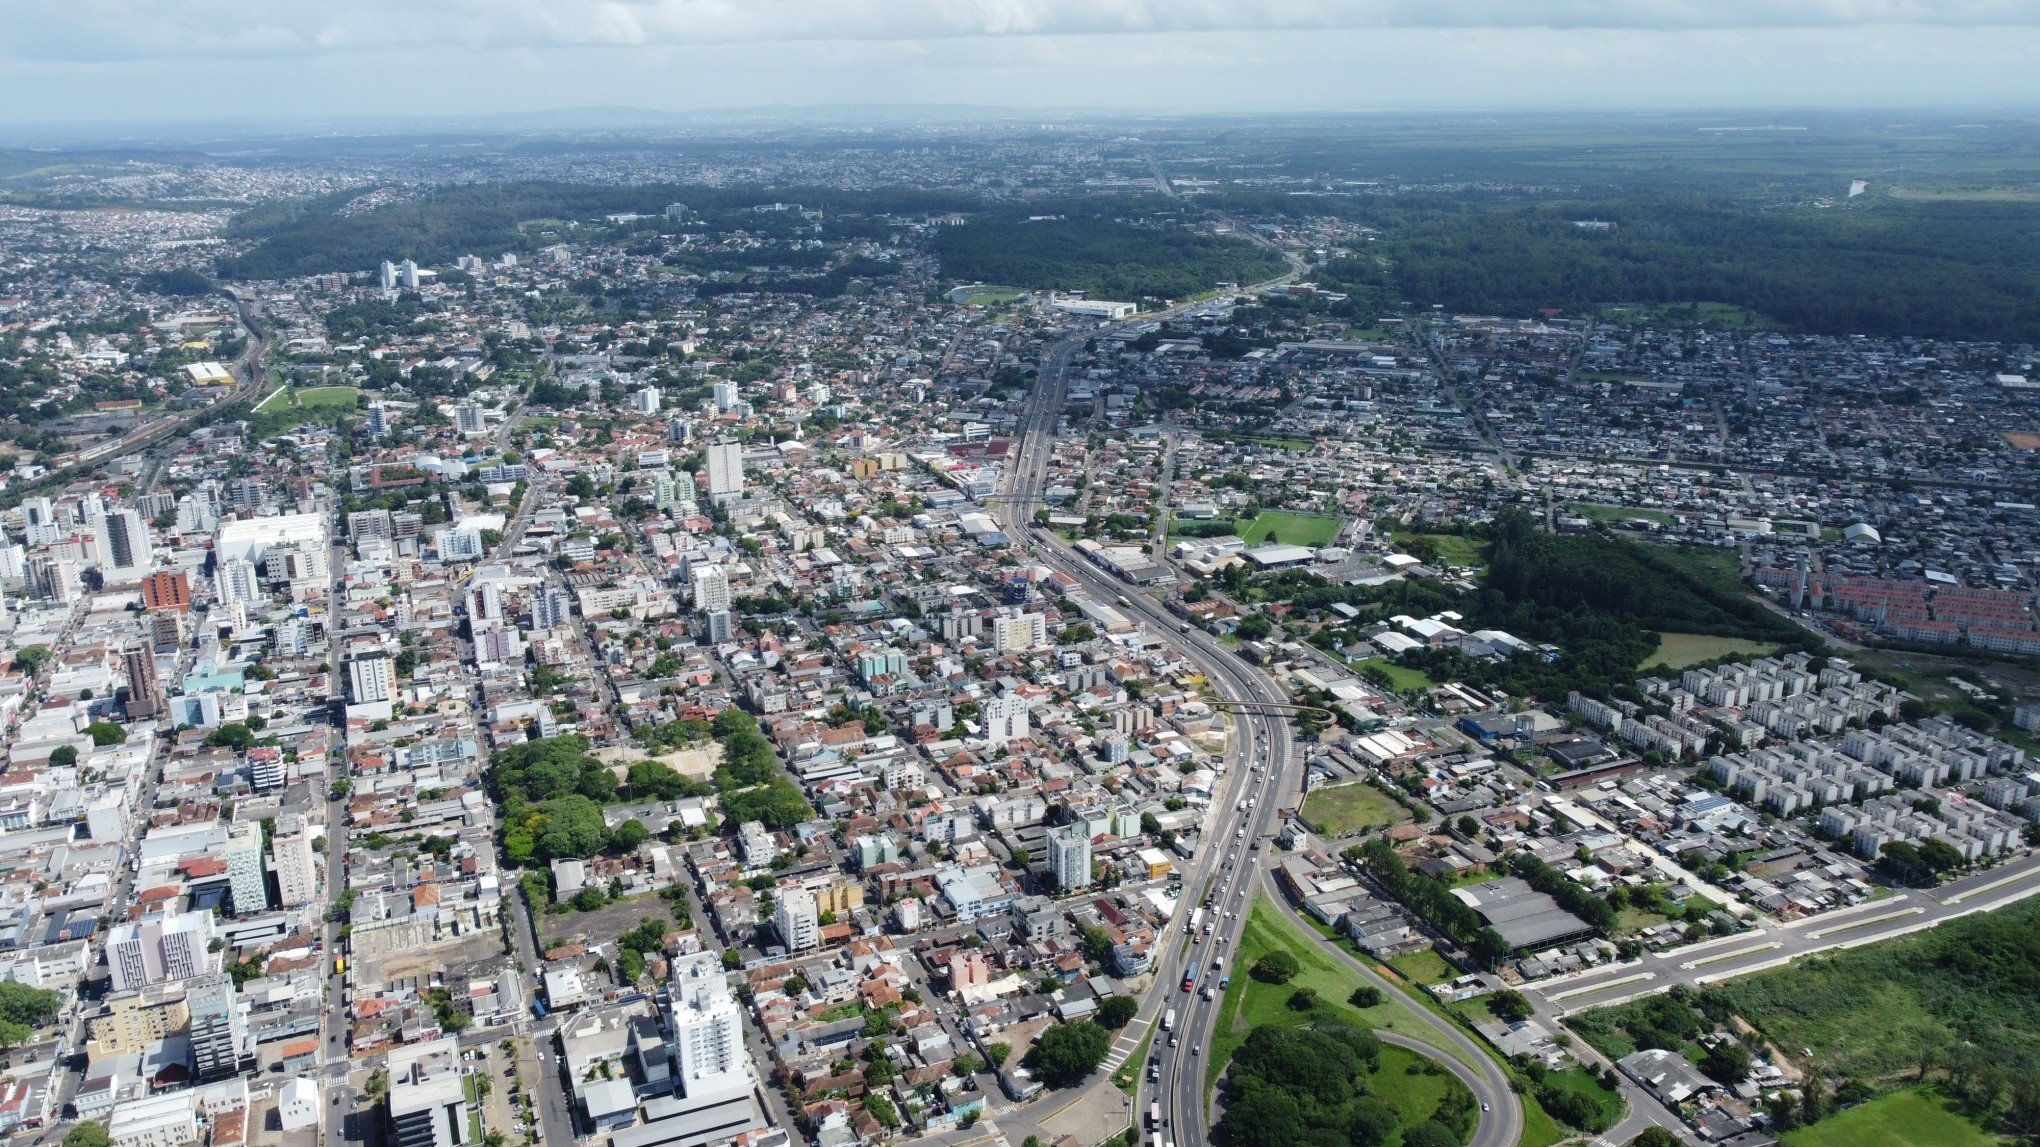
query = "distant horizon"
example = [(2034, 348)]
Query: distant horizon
[(152, 62), (627, 121)]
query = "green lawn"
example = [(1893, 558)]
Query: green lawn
[(1250, 1003), (1580, 1081), (1425, 967), (1594, 511), (1400, 677), (1349, 809), (318, 396), (1716, 315), (1915, 1117), (1719, 567), (1678, 650), (1457, 549), (1296, 529)]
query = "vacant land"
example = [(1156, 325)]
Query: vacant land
[(1456, 550), (342, 397), (1399, 677), (1716, 315), (1915, 1117), (1296, 529), (1350, 809), (1249, 1003), (1595, 511), (1678, 650), (1425, 967)]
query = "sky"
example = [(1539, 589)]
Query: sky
[(114, 61)]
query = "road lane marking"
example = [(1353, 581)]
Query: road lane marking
[(1602, 987), (1979, 890), (1716, 959), (1866, 921)]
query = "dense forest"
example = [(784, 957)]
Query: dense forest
[(309, 237), (1940, 269), (1102, 258)]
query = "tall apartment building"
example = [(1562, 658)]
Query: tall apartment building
[(371, 678), (1069, 856), (125, 548), (711, 588), (725, 469), (796, 919), (144, 696), (219, 1032), (1005, 718), (246, 884), (167, 590), (293, 858), (1015, 631), (700, 1055)]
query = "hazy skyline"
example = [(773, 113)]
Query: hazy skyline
[(120, 60)]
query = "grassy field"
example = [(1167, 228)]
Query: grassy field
[(987, 296), (1712, 564), (1250, 1003), (1915, 1117), (320, 396), (1425, 967), (1350, 809), (1296, 529), (1399, 676), (1458, 550), (1721, 316), (1678, 650), (1595, 511), (1579, 1081)]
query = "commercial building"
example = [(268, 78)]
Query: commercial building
[(157, 949), (250, 538), (703, 1059)]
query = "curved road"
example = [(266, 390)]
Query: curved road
[(1266, 774)]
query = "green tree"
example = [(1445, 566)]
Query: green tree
[(1727, 1062), (629, 835), (378, 1084), (87, 1135), (1302, 999), (1656, 1137), (1365, 996), (104, 733), (1066, 1053), (1276, 967), (1429, 1133), (30, 659), (1115, 1012), (64, 756)]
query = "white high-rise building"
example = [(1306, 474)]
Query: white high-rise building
[(378, 420), (467, 418), (1005, 718), (236, 582), (407, 273), (52, 578), (711, 588), (371, 678), (725, 396), (795, 919), (645, 401), (157, 949), (386, 276), (702, 1054), (292, 856), (122, 539), (245, 880), (1069, 856), (1014, 631), (550, 606), (725, 469)]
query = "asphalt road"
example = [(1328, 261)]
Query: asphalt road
[(1267, 774)]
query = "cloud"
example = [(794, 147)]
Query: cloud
[(87, 30)]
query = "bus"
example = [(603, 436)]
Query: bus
[(1155, 1115), (1169, 1021)]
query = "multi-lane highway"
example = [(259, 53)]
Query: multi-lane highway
[(1266, 775)]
